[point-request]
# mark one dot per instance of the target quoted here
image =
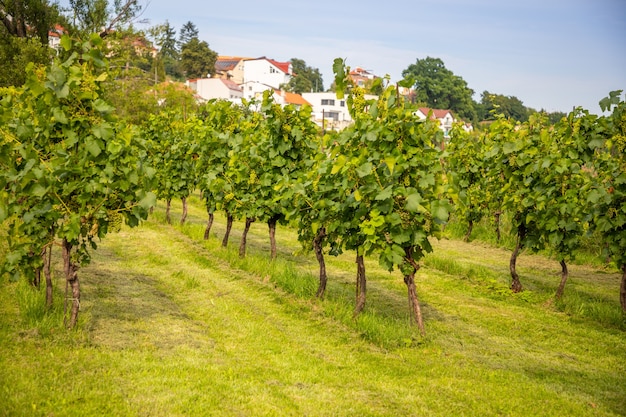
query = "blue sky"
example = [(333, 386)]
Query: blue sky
[(551, 54)]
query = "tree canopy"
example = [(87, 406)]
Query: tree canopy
[(509, 106), (438, 87), (197, 60), (98, 16), (28, 18), (306, 79)]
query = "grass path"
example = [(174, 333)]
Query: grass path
[(172, 326)]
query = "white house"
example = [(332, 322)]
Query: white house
[(255, 89), (267, 71), (445, 117), (210, 88), (54, 36), (329, 111)]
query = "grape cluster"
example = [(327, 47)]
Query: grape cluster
[(115, 221)]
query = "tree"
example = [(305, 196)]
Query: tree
[(188, 32), (609, 195), (197, 60), (164, 37), (438, 87), (509, 106), (70, 171), (28, 18), (316, 206), (466, 174), (223, 121), (394, 195), (16, 53), (24, 37), (306, 79), (173, 152), (279, 158), (97, 16)]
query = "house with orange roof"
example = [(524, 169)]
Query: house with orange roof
[(254, 90), (54, 36), (361, 77), (285, 98)]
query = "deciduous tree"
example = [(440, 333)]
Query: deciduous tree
[(439, 88), (197, 60)]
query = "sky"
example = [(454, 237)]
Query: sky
[(551, 54)]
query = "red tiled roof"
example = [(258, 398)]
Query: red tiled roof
[(283, 66), (231, 85), (437, 113), (57, 31)]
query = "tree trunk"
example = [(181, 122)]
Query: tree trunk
[(409, 280), (36, 282), (497, 217), (271, 224), (564, 275), (244, 237), (184, 215), (168, 205), (622, 290), (229, 226), (47, 273), (470, 226), (516, 285), (37, 278), (209, 224), (319, 254), (360, 284), (71, 278)]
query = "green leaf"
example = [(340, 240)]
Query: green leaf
[(439, 210), (102, 106), (148, 201), (508, 148), (66, 42), (385, 194), (339, 163), (593, 196), (92, 146), (114, 147), (364, 170), (59, 115), (391, 163), (103, 131), (413, 203)]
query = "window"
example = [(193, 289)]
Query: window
[(272, 70), (342, 103), (328, 102), (332, 115)]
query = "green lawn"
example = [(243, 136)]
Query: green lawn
[(172, 325)]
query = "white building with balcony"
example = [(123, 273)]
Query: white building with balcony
[(267, 71), (329, 111)]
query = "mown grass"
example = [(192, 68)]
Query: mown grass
[(174, 325)]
